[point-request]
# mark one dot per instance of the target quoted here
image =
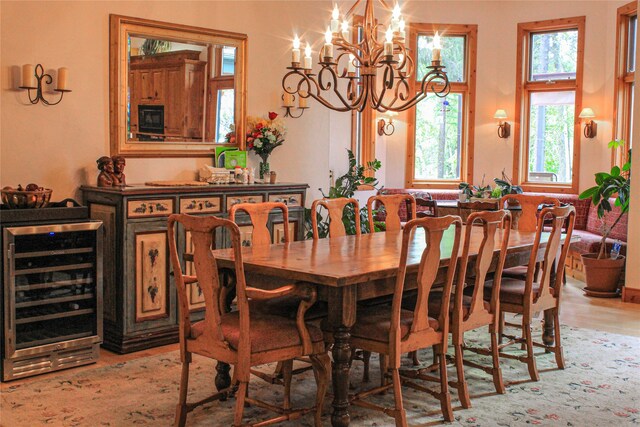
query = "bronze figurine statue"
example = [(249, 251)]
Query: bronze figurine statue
[(119, 163), (105, 178)]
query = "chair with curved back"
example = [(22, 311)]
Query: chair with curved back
[(335, 207), (469, 311), (259, 216), (282, 306), (392, 330), (529, 296), (240, 338), (527, 221), (391, 203), (431, 206)]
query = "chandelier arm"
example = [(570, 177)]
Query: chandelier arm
[(350, 11), (304, 79), (334, 88)]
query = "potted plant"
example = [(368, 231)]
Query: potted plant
[(346, 186), (601, 270), (476, 192)]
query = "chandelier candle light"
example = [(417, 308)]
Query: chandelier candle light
[(358, 64)]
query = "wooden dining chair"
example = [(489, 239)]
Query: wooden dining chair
[(533, 295), (431, 206), (335, 207), (280, 306), (392, 330), (391, 203), (527, 221), (259, 217), (240, 338), (469, 310)]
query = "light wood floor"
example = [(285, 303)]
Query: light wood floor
[(605, 314)]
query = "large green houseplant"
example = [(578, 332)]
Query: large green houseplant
[(346, 186), (602, 271)]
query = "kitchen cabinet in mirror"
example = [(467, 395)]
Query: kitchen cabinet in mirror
[(175, 90)]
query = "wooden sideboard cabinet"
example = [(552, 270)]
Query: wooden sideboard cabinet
[(140, 302)]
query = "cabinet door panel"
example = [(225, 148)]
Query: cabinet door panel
[(150, 298)]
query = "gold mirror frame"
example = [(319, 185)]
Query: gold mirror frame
[(119, 29)]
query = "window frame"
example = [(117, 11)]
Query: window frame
[(524, 88), (624, 80), (466, 88)]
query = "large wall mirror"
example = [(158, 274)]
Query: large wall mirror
[(175, 90)]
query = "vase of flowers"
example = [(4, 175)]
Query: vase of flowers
[(263, 136)]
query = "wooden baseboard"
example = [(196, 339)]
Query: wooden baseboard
[(630, 295)]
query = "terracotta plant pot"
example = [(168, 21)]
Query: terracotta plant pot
[(602, 275)]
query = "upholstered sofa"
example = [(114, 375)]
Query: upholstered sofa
[(588, 226)]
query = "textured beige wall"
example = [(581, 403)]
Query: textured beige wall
[(57, 146)]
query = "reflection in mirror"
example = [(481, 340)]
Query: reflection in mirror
[(182, 88), (179, 91)]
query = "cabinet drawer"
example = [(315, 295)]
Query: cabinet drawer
[(287, 199), (195, 205), (234, 200), (149, 208)]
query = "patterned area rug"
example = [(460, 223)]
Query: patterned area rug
[(599, 387)]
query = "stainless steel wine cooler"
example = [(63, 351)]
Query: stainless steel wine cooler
[(52, 296)]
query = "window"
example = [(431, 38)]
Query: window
[(627, 25), (221, 93), (224, 119), (440, 140), (548, 97)]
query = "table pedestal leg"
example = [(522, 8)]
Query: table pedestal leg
[(341, 361)]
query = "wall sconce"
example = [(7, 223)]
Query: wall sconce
[(32, 80), (590, 127), (288, 102), (504, 128), (387, 128)]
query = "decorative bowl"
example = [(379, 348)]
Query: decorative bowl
[(16, 199)]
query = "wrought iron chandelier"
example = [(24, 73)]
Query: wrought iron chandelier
[(352, 75)]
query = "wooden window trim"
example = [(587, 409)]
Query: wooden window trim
[(525, 87), (467, 88), (622, 83)]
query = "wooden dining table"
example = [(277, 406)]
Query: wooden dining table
[(349, 269)]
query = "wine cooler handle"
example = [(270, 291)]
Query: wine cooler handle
[(12, 287)]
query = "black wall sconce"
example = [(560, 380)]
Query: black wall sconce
[(504, 128), (590, 127), (288, 103), (387, 127), (32, 80)]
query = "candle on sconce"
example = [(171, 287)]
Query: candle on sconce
[(388, 45), (345, 30), (63, 77), (395, 17), (401, 33), (287, 99), (335, 23), (302, 99), (28, 76), (351, 67), (307, 57), (436, 48), (328, 47), (295, 53)]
